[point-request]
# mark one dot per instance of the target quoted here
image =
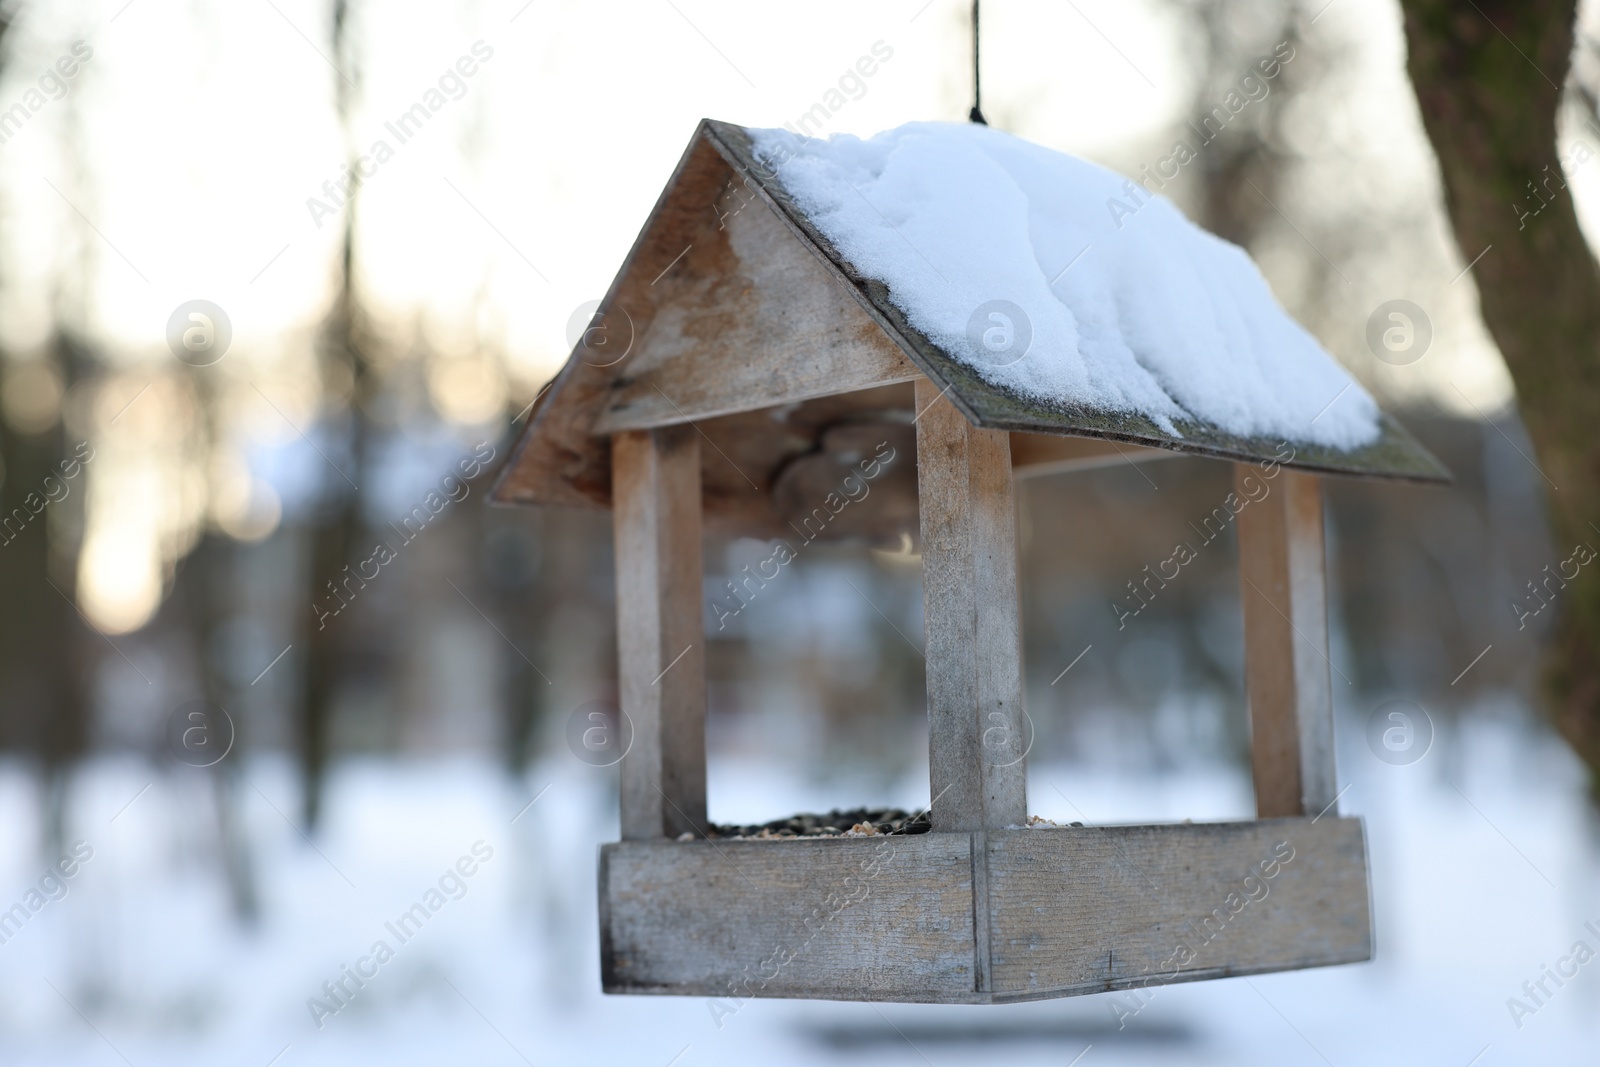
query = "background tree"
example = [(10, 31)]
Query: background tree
[(344, 355), (1489, 79), (45, 661)]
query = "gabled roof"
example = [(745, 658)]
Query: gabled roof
[(736, 312)]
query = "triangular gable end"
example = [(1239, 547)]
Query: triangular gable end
[(719, 309)]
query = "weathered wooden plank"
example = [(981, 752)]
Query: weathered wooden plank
[(886, 918), (660, 638), (1083, 910), (777, 330), (976, 730), (1034, 455), (1069, 911), (1283, 588)]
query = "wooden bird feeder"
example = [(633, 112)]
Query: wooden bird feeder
[(739, 346)]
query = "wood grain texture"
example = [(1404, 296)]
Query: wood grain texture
[(886, 918), (660, 636), (1083, 910), (1061, 912), (1283, 589), (685, 270), (772, 328), (686, 255), (976, 730)]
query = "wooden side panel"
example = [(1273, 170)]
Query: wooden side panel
[(1083, 910), (1283, 588), (1069, 911), (660, 639), (976, 731), (775, 329), (886, 918)]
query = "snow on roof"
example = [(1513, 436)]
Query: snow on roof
[(1064, 282)]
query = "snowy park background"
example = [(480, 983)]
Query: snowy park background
[(1475, 891), (188, 158)]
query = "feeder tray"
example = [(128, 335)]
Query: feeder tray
[(862, 822)]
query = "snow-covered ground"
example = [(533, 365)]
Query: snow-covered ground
[(1484, 866)]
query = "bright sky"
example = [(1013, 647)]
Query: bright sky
[(180, 161), (209, 126)]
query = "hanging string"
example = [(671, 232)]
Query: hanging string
[(976, 114)]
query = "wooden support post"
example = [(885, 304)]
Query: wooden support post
[(655, 504), (976, 724), (1283, 587)]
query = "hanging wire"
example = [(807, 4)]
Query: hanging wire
[(976, 114)]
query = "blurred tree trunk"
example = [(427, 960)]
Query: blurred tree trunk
[(342, 353), (207, 584), (335, 531), (41, 709), (1488, 78), (44, 665), (48, 661), (512, 558), (1245, 163)]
